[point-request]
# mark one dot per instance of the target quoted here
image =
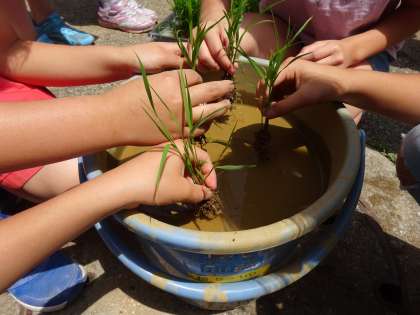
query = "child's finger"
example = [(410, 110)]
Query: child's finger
[(214, 43), (322, 52), (193, 78), (262, 91), (173, 48), (207, 169), (192, 193), (212, 110), (289, 104), (330, 61), (205, 59), (209, 92), (312, 47)]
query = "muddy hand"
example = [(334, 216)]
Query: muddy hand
[(207, 99), (301, 84), (138, 178)]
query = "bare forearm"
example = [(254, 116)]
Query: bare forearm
[(30, 236), (35, 133), (58, 65), (393, 95), (392, 30)]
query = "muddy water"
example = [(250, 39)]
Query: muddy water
[(288, 182)]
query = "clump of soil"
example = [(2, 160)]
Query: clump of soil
[(209, 209), (233, 97)]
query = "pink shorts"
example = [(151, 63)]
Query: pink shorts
[(11, 91)]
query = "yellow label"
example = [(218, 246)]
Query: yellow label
[(232, 278)]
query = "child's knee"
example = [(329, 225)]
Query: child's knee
[(52, 180), (355, 112), (260, 40)]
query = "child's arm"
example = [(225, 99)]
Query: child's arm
[(30, 62), (30, 236), (59, 65), (394, 95), (355, 49), (39, 132)]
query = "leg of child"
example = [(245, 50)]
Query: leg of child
[(50, 181), (260, 41)]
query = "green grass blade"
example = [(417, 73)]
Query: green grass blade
[(259, 70), (301, 29), (295, 59), (146, 83), (172, 116), (271, 6), (186, 99), (160, 126), (229, 142), (206, 119), (161, 167)]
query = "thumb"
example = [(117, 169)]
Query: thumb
[(289, 104), (194, 193)]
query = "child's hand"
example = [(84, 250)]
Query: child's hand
[(212, 52), (138, 178), (303, 83), (130, 101), (156, 57), (330, 52)]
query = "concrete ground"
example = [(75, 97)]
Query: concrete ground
[(382, 245)]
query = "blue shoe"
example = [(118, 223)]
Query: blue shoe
[(43, 38), (50, 286), (58, 31)]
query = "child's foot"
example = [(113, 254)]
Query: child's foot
[(58, 31), (126, 15), (51, 285)]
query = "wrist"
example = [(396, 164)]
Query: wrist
[(127, 61), (364, 45), (213, 10), (109, 107), (341, 82), (348, 82)]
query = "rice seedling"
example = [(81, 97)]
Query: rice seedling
[(196, 37), (180, 9), (269, 74), (234, 17), (188, 154), (182, 19)]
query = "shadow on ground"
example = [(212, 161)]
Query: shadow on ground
[(409, 56), (383, 134), (78, 12), (349, 281)]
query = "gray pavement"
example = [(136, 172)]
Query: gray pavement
[(382, 245)]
